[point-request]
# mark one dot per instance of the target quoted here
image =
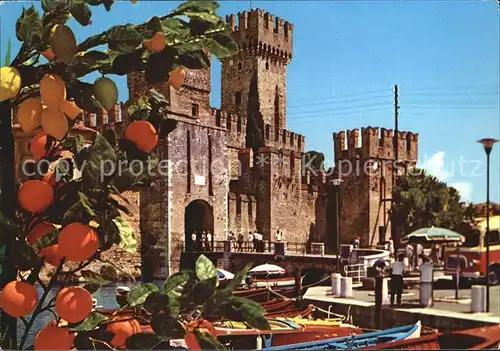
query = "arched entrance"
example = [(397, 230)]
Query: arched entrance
[(198, 217)]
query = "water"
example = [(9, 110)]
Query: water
[(105, 299)]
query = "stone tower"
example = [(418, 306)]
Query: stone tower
[(258, 73), (366, 167)]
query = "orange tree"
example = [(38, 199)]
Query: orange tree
[(60, 216)]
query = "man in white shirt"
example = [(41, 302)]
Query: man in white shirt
[(426, 275), (409, 255), (397, 285), (420, 251), (193, 241), (209, 241), (391, 248), (251, 240)]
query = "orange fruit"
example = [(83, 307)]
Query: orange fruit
[(18, 299), (38, 145), (143, 135), (176, 78), (48, 54), (52, 337), (70, 109), (73, 304), (78, 242), (54, 123), (29, 114), (191, 342), (122, 330), (50, 253), (52, 90), (35, 195), (157, 42), (39, 231)]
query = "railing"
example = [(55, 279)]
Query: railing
[(292, 248), (356, 271)]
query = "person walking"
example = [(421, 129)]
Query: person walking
[(356, 242), (240, 242), (251, 241), (203, 241), (209, 241), (426, 278), (391, 248), (193, 241), (397, 283)]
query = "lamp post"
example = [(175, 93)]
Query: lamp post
[(488, 146), (336, 184)]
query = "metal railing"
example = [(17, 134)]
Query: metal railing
[(292, 248), (356, 271)]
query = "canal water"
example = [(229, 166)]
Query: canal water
[(105, 298)]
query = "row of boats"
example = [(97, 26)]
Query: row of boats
[(294, 328)]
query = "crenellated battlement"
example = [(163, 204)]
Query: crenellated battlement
[(235, 125), (263, 34), (373, 142), (283, 139)]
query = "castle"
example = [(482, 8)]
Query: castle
[(239, 169)]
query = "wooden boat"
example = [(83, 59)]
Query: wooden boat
[(274, 282), (265, 294), (482, 338), (298, 312), (278, 305), (357, 341), (317, 322), (283, 332)]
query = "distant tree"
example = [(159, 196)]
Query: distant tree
[(421, 200)]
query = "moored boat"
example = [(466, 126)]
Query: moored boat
[(357, 341), (482, 338), (293, 313)]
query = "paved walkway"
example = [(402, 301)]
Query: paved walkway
[(444, 302)]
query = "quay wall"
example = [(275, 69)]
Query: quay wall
[(363, 316)]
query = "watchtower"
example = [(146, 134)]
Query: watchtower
[(265, 45), (366, 164)]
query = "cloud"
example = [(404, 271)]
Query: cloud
[(465, 190), (436, 166)]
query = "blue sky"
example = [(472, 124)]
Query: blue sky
[(347, 56)]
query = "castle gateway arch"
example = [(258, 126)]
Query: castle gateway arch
[(198, 217)]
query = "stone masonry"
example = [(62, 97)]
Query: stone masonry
[(238, 168)]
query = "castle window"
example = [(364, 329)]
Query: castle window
[(194, 110), (267, 65), (408, 142), (238, 206), (238, 124), (237, 98), (277, 123), (240, 66)]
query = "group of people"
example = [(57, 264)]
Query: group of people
[(202, 242), (255, 241)]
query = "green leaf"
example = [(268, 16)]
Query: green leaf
[(107, 4), (142, 341), (196, 6), (83, 94), (31, 27), (174, 288), (205, 269), (194, 60), (92, 288), (207, 341), (175, 29), (101, 162), (128, 241), (250, 312), (23, 256), (86, 203), (239, 277), (93, 278), (94, 2), (7, 55), (167, 326), (139, 294), (74, 144), (9, 226), (215, 306), (130, 62), (47, 240), (123, 39), (203, 16), (106, 92), (159, 66), (92, 321), (63, 43), (80, 11), (221, 45), (156, 302)]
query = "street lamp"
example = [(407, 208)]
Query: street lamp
[(336, 184), (488, 146)]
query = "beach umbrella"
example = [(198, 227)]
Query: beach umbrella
[(433, 235), (224, 275), (268, 269)]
